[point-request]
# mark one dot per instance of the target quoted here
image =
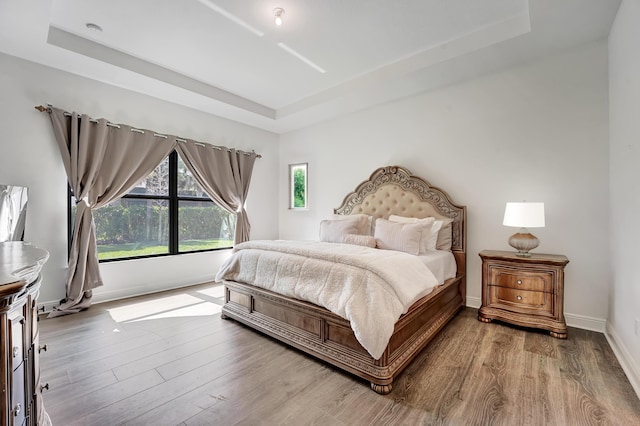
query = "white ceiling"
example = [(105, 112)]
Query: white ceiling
[(228, 58)]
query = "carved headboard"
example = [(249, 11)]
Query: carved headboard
[(393, 190)]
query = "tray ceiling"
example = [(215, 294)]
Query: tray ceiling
[(329, 57)]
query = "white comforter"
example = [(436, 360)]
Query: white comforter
[(369, 287)]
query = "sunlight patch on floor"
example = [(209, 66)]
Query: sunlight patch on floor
[(217, 291), (201, 309), (161, 306)]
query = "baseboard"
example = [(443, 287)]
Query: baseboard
[(628, 363), (110, 296), (474, 302), (585, 322)]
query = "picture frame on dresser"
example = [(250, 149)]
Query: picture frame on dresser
[(524, 291)]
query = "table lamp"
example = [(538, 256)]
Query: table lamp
[(524, 215)]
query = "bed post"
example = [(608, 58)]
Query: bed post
[(461, 262)]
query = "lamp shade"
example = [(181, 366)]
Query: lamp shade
[(524, 215)]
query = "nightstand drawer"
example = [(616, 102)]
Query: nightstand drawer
[(537, 300), (521, 280)]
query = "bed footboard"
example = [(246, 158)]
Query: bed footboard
[(327, 336)]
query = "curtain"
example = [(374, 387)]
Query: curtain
[(224, 174), (103, 162)]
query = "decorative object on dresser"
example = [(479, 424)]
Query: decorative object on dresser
[(20, 389), (524, 215), (319, 332), (13, 212), (525, 291)]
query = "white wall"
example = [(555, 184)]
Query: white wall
[(538, 132), (624, 119), (29, 156)]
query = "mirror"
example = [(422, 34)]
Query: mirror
[(13, 212)]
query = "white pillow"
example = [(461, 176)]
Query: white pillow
[(427, 240), (359, 240), (432, 241), (445, 235), (332, 231), (364, 227), (398, 236)]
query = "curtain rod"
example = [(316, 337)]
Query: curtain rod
[(48, 109)]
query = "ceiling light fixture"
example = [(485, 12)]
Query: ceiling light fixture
[(278, 12), (93, 27)]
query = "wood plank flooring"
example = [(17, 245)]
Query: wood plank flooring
[(169, 359)]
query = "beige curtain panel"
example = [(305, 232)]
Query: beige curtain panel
[(103, 162), (224, 174)]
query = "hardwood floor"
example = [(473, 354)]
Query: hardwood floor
[(169, 359)]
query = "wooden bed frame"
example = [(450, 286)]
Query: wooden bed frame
[(317, 331)]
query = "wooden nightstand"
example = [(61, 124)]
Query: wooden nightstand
[(526, 291)]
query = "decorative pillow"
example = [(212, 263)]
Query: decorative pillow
[(432, 241), (359, 240), (364, 227), (427, 242), (398, 236), (445, 235), (332, 231)]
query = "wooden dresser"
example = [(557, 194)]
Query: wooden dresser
[(526, 291), (20, 390)]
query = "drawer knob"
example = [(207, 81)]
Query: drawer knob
[(519, 297), (16, 351), (42, 348), (519, 282), (16, 411), (43, 387)]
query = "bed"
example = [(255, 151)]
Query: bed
[(313, 329)]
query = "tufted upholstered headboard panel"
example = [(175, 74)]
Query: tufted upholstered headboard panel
[(393, 190)]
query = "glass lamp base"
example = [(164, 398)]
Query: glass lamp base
[(523, 241)]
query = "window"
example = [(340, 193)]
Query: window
[(166, 213), (298, 186)]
